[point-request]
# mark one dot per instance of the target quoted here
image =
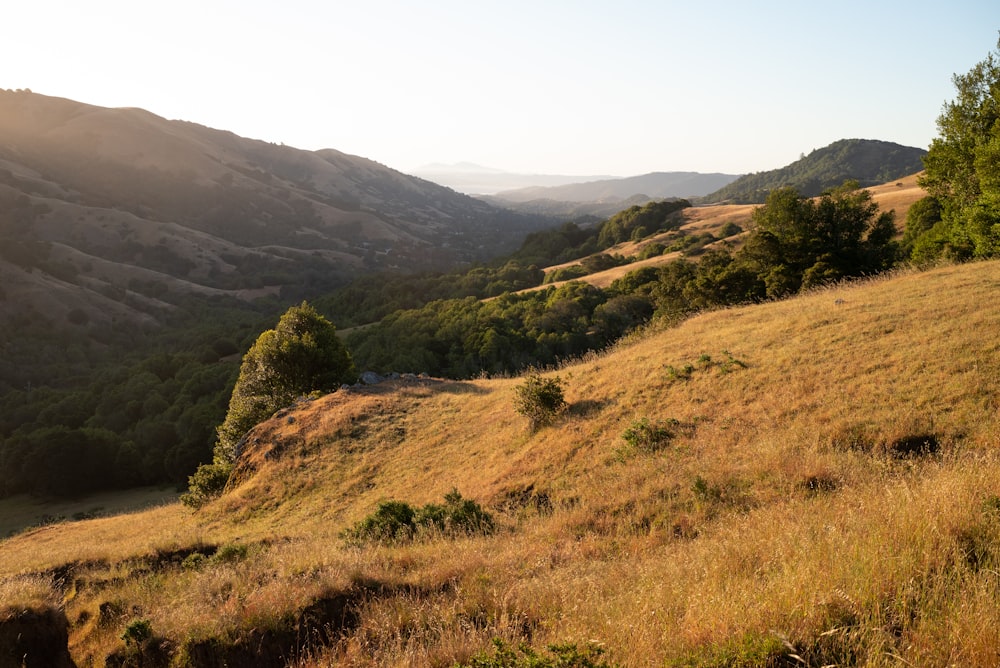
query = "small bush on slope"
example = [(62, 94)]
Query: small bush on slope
[(539, 399), (397, 520)]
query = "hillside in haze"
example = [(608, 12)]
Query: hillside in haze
[(473, 179), (596, 199), (870, 162), (655, 185), (804, 482), (110, 214)]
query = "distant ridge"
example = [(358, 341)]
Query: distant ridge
[(473, 179), (869, 161), (655, 185)]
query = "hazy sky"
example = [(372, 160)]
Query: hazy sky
[(617, 87)]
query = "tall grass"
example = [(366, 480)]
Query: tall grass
[(788, 514)]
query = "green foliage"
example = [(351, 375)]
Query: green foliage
[(730, 229), (539, 399), (395, 521), (749, 651), (206, 483), (137, 632), (962, 169), (463, 338), (799, 242), (923, 215), (230, 553), (301, 354), (570, 242), (567, 655)]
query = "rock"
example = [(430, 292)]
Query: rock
[(371, 378)]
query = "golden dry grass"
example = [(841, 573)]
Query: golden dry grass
[(895, 196), (783, 511)]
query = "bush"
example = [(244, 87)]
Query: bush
[(397, 520), (207, 483), (539, 399), (730, 229), (392, 520)]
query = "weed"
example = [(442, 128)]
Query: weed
[(558, 656), (705, 362), (231, 553), (645, 436)]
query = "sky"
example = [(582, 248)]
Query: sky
[(530, 86)]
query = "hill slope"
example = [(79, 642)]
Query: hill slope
[(815, 477), (869, 161), (97, 202)]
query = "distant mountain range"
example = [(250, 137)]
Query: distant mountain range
[(603, 197), (473, 179), (870, 162), (655, 185), (109, 214)]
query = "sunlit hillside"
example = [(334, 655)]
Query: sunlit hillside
[(808, 482), (897, 195)]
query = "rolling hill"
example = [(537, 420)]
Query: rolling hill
[(805, 482), (868, 161), (113, 213)]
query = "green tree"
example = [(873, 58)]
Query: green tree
[(962, 168), (300, 355), (799, 242)]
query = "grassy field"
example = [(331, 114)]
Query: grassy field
[(825, 485)]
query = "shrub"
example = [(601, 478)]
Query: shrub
[(397, 520), (206, 484), (456, 516), (392, 520), (539, 399), (730, 229)]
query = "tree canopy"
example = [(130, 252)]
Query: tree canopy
[(962, 168), (298, 356)]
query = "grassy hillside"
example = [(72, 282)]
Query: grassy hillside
[(897, 195), (825, 485)]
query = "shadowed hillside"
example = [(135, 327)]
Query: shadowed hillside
[(812, 481), (116, 213)]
